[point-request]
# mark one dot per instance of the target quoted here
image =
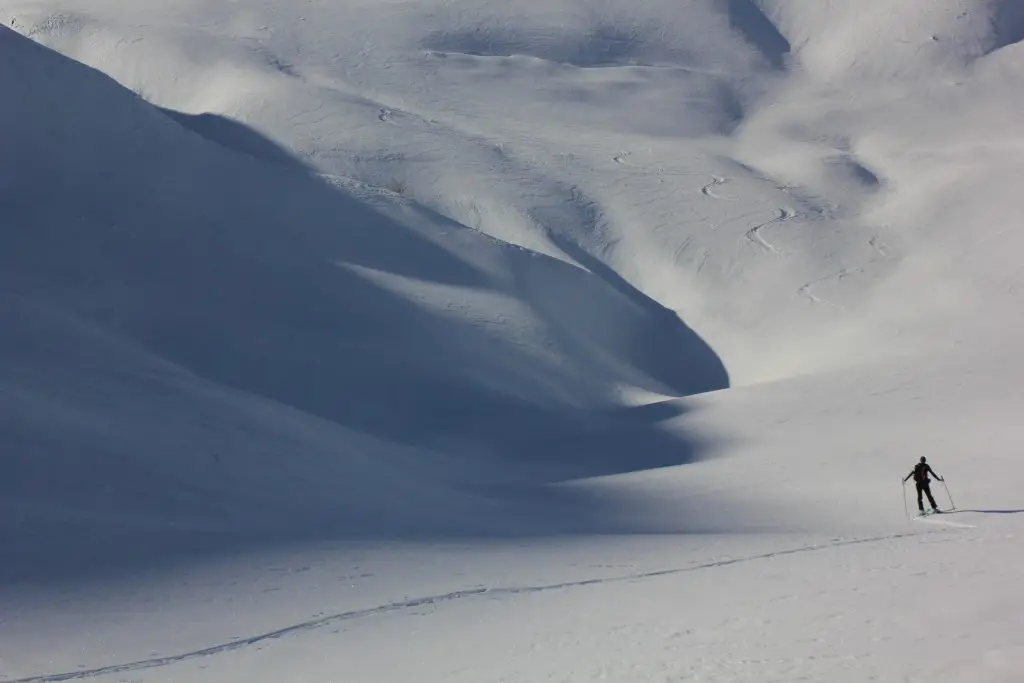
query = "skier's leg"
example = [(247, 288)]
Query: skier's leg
[(920, 503), (931, 499)]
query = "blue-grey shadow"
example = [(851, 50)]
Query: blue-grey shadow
[(1007, 24), (235, 262), (236, 136), (757, 29)]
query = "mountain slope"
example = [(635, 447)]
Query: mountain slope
[(167, 288)]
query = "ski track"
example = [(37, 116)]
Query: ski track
[(708, 190), (754, 234), (454, 596), (805, 290), (943, 522)]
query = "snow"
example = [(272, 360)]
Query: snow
[(479, 341)]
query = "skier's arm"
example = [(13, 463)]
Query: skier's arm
[(934, 474)]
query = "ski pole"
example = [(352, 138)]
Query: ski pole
[(903, 485), (951, 503)]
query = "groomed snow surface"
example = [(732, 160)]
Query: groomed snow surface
[(355, 341)]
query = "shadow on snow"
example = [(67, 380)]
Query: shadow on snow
[(151, 246)]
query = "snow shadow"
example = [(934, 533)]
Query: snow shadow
[(1007, 23), (235, 136), (750, 21), (663, 346), (989, 512), (202, 363)]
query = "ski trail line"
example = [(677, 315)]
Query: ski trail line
[(754, 233), (805, 290), (943, 522), (454, 596), (709, 189)]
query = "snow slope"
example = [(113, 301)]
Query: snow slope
[(502, 341), (251, 291)]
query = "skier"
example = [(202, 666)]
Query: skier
[(920, 474)]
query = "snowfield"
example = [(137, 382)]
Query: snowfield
[(466, 341)]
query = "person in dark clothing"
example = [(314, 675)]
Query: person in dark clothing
[(920, 474)]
